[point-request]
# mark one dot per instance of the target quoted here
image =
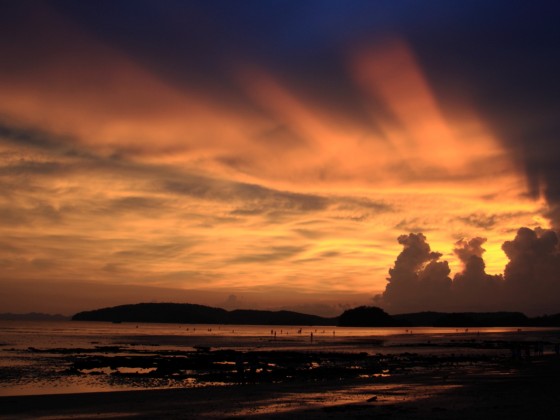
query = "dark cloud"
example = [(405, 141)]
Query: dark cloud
[(10, 248), (474, 289), (507, 68), (329, 254), (533, 273), (322, 256), (33, 168), (274, 253), (256, 199), (157, 251), (350, 203), (60, 154), (214, 189), (201, 43), (248, 212), (27, 135), (412, 225), (149, 206), (530, 283), (480, 220), (466, 249), (12, 216), (35, 213), (418, 278), (489, 221), (311, 233)]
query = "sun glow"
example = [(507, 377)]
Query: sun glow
[(142, 178)]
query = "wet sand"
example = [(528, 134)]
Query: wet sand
[(505, 390)]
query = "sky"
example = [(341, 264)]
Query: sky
[(283, 154)]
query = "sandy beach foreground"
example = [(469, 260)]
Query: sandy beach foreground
[(521, 390)]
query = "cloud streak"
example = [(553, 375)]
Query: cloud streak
[(183, 144)]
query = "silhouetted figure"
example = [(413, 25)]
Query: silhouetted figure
[(311, 336)]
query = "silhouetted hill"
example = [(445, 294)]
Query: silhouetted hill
[(546, 321), (363, 316), (32, 316), (156, 312), (186, 313), (366, 316)]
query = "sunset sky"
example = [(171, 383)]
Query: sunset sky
[(278, 153)]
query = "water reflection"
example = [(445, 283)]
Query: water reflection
[(46, 357)]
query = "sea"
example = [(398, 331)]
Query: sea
[(36, 356)]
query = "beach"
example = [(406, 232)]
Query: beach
[(100, 370), (520, 391)]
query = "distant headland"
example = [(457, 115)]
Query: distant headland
[(363, 316)]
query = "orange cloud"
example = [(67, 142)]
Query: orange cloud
[(110, 173), (421, 135)]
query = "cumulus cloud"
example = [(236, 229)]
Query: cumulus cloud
[(531, 281), (474, 289), (467, 249), (417, 279), (533, 273)]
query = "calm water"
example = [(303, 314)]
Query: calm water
[(23, 370)]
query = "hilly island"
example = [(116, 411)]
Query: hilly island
[(363, 316)]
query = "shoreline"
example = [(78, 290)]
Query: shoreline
[(507, 390), (154, 373)]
